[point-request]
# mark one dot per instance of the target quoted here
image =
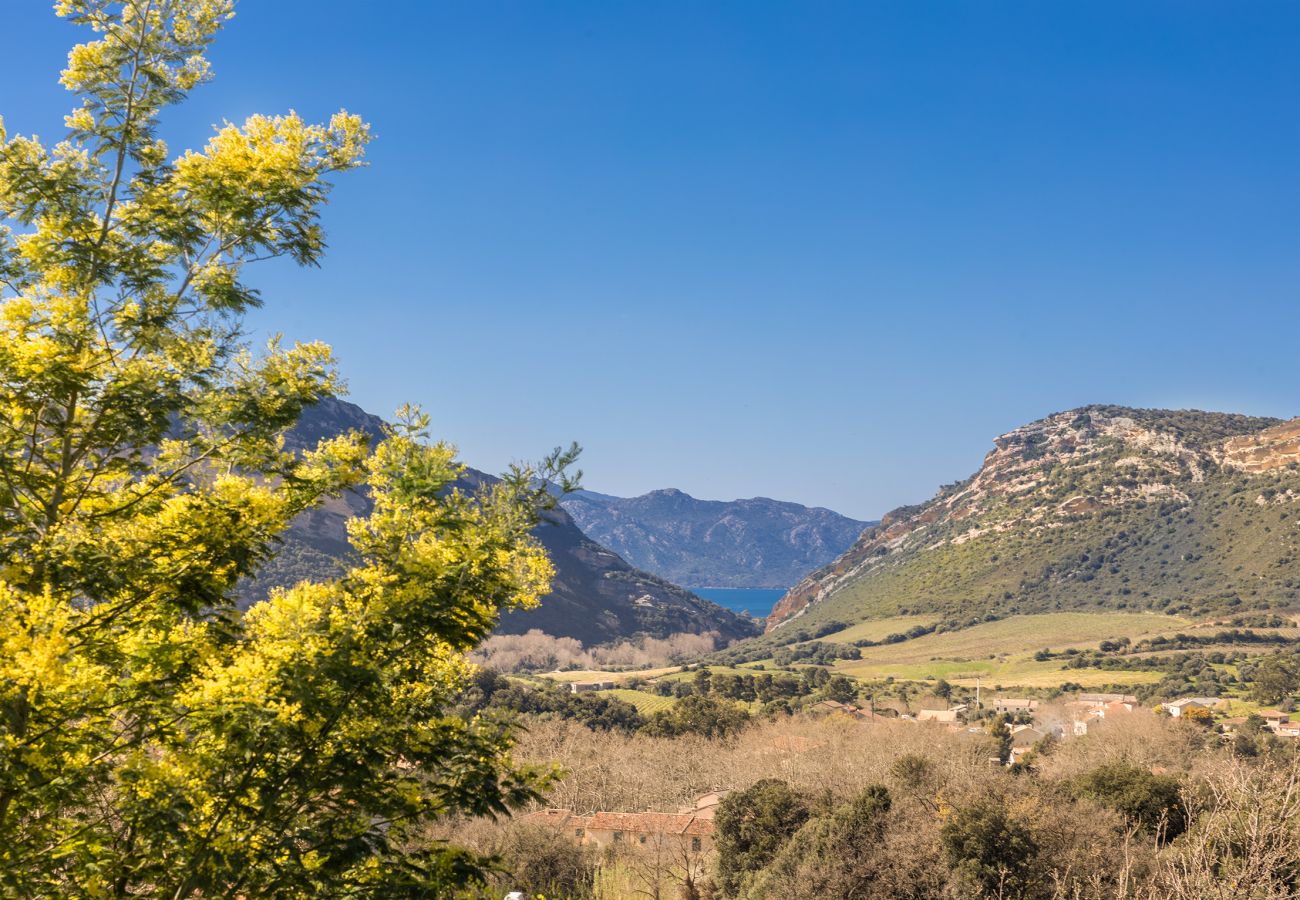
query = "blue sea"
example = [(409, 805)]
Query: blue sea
[(757, 602)]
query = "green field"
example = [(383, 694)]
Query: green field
[(996, 653), (1002, 652), (1021, 672)]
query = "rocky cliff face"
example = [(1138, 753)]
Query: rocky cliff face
[(596, 596), (756, 543), (1273, 448), (1101, 506)]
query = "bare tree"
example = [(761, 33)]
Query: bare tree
[(1243, 841)]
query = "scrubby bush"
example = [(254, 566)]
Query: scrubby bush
[(833, 855), (698, 715), (752, 826), (541, 862), (993, 851), (1152, 802)]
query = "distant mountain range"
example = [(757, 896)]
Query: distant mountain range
[(596, 596), (1099, 507), (757, 543)]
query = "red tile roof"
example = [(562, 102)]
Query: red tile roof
[(554, 818), (650, 823)]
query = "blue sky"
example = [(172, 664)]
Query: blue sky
[(817, 251)]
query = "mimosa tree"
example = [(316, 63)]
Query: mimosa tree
[(154, 741)]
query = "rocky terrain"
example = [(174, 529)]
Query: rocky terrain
[(756, 543), (596, 596), (1272, 448), (1100, 507)]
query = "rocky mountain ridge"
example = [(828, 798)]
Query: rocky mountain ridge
[(752, 543), (596, 596), (1087, 508)]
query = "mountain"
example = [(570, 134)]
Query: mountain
[(596, 596), (758, 543), (1100, 507)]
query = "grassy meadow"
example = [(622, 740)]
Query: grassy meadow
[(999, 654), (646, 703)]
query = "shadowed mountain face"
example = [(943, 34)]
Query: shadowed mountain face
[(757, 543), (596, 596), (1100, 507)]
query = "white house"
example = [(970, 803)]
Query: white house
[(1176, 708)]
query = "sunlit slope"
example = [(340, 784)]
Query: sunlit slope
[(1003, 651), (1096, 509)]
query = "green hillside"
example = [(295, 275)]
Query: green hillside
[(1002, 652), (1104, 508)]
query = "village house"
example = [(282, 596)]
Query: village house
[(582, 687), (1026, 735), (946, 716), (705, 805), (1017, 754), (1023, 739), (1127, 699), (831, 707), (1279, 723), (1119, 706), (1014, 705), (1083, 720), (834, 707), (1176, 708), (685, 832), (1084, 713)]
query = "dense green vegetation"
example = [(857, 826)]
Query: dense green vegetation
[(155, 741), (1150, 801), (1070, 514), (709, 706), (1219, 553), (490, 692), (1197, 429), (753, 825)]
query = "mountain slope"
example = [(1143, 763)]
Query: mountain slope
[(756, 543), (1100, 507), (596, 596)]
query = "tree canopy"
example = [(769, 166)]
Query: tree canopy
[(752, 826), (154, 739)]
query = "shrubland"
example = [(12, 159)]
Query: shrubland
[(1144, 807)]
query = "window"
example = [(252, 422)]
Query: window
[(577, 832), (642, 839), (695, 845), (618, 837)]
